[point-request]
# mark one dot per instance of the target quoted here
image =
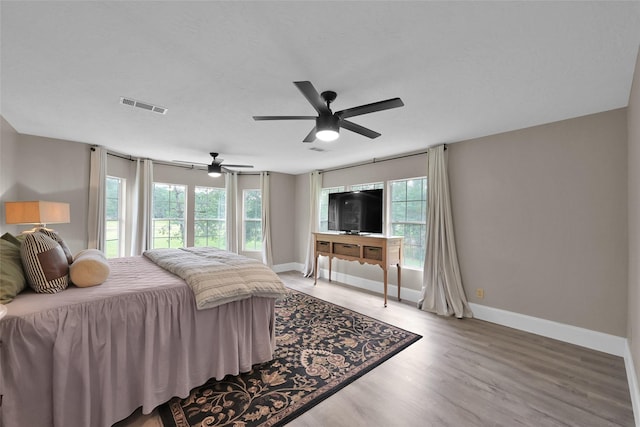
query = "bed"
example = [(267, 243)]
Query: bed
[(91, 356)]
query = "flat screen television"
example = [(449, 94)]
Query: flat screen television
[(356, 212)]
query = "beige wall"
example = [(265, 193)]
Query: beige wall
[(8, 179), (53, 170), (633, 123), (541, 220)]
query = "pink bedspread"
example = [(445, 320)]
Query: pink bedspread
[(91, 356)]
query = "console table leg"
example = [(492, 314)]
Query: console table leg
[(399, 280), (315, 271), (384, 273)]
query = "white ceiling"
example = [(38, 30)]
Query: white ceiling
[(463, 70)]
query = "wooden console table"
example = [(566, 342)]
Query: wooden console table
[(377, 250)]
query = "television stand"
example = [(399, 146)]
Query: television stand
[(376, 250)]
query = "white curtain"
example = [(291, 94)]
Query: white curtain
[(442, 290), (97, 189), (231, 187), (315, 188), (267, 258), (142, 207)]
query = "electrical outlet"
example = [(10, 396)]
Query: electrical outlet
[(480, 293)]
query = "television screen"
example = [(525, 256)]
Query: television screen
[(356, 211)]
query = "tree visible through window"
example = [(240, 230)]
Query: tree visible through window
[(409, 218), (252, 213), (114, 220), (210, 226), (168, 215)]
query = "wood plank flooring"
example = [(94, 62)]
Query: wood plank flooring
[(465, 373)]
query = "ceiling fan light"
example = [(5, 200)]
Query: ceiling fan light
[(214, 170), (327, 135), (328, 128)]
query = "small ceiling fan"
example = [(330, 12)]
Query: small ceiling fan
[(328, 123), (215, 169)]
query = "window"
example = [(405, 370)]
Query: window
[(168, 215), (210, 227), (252, 223), (374, 186), (114, 218), (409, 218), (324, 206)]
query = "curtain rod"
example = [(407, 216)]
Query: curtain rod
[(162, 162), (374, 160)]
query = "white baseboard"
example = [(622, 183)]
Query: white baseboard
[(594, 340), (290, 266), (371, 285), (632, 379)]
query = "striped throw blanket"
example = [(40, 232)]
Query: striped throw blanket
[(218, 277)]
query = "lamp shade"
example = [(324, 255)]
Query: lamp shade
[(36, 212)]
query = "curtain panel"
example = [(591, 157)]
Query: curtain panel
[(315, 188), (97, 192), (231, 187), (142, 209), (267, 257), (442, 290)]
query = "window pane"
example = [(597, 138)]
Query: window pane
[(114, 217), (409, 218), (210, 226), (252, 212), (168, 215)]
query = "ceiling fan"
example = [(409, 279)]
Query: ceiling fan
[(215, 169), (328, 123)]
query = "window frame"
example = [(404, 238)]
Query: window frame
[(246, 220), (154, 219), (220, 236), (121, 219), (406, 243)]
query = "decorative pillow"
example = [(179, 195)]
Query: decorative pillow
[(45, 264), (12, 280), (90, 267), (55, 236), (11, 238)]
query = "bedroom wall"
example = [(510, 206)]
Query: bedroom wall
[(633, 123), (541, 220), (54, 170), (8, 181)]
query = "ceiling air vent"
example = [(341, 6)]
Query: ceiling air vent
[(143, 105), (319, 150)]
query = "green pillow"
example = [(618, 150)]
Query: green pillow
[(11, 238), (12, 279)]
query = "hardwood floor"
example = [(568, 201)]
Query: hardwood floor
[(465, 373)]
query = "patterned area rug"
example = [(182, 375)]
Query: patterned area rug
[(321, 347)]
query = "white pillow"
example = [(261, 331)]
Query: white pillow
[(89, 268)]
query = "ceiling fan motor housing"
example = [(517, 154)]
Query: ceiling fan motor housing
[(328, 122)]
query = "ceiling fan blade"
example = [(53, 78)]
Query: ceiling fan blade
[(284, 117), (311, 136), (313, 97), (371, 108), (346, 124), (238, 166)]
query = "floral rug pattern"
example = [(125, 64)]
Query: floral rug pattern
[(321, 347)]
